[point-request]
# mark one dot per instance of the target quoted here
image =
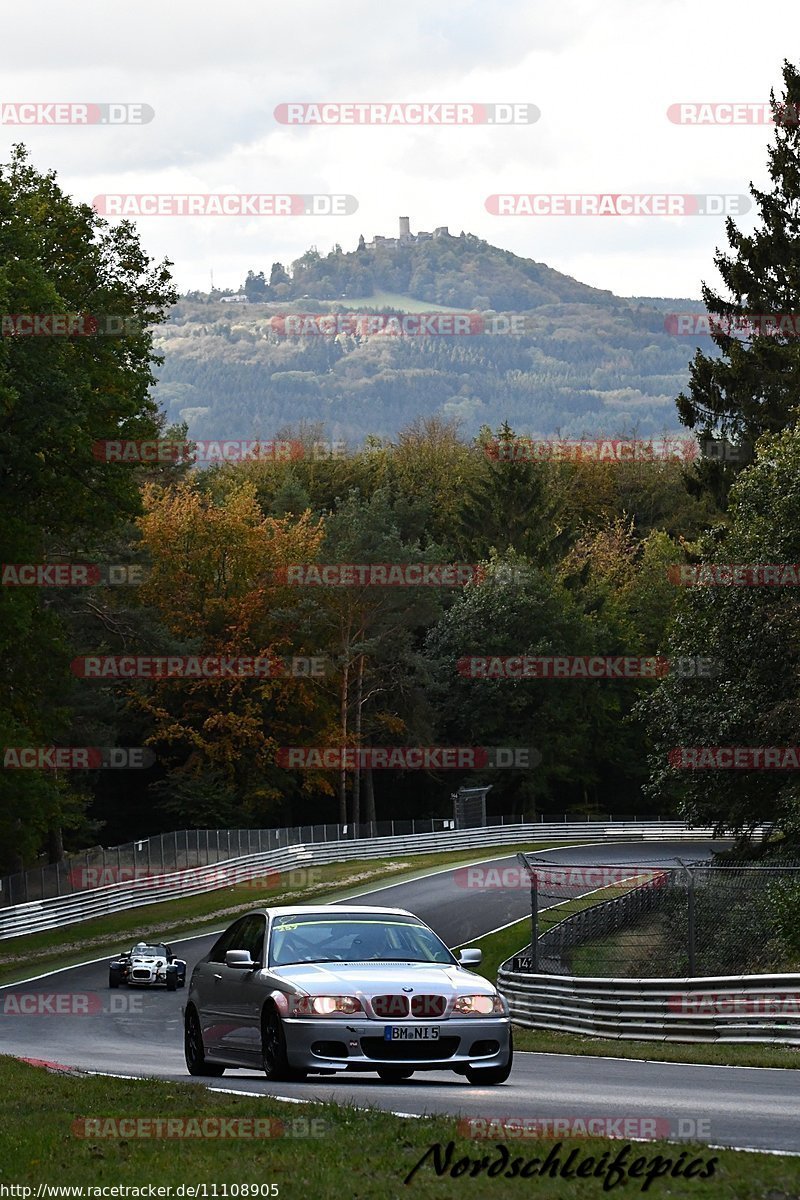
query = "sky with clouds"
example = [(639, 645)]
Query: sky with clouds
[(603, 76)]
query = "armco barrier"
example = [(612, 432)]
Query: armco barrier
[(118, 897), (726, 1008)]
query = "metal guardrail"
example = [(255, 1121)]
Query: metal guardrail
[(167, 852), (151, 889), (720, 1008)]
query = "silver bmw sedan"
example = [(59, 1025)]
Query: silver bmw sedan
[(336, 988)]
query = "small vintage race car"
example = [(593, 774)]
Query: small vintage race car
[(146, 965)]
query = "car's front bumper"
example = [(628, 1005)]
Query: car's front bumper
[(345, 1044)]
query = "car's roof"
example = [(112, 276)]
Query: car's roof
[(332, 909)]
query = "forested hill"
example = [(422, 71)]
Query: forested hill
[(578, 360), (459, 272)]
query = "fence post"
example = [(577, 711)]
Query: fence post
[(690, 923), (534, 923), (534, 912)]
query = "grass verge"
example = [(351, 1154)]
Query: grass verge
[(50, 950), (356, 1153), (706, 1053)]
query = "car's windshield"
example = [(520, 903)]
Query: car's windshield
[(149, 951), (319, 937)]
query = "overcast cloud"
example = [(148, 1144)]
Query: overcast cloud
[(603, 76)]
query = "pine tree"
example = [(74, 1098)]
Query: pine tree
[(753, 387)]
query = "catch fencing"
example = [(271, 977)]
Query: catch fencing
[(695, 919), (155, 886), (674, 924)]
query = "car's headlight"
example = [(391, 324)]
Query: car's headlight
[(326, 1006), (478, 1006)]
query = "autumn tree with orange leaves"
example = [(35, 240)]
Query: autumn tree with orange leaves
[(215, 586)]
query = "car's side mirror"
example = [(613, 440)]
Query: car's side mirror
[(240, 959), (470, 958)]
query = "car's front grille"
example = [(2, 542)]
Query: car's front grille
[(140, 974), (390, 1006), (398, 1006), (428, 1006), (384, 1051)]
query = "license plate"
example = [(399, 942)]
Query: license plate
[(410, 1033)]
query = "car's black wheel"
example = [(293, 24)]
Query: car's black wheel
[(172, 981), (182, 981), (113, 979), (487, 1076), (395, 1074), (274, 1058), (193, 1048)]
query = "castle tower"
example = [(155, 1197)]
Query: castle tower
[(405, 229)]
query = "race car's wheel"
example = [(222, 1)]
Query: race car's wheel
[(394, 1074), (193, 1048), (487, 1076), (274, 1058), (182, 981), (114, 979), (172, 981)]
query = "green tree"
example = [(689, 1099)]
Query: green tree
[(507, 504), (520, 609), (753, 386), (59, 395), (752, 637)]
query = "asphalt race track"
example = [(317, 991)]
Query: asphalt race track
[(132, 1032)]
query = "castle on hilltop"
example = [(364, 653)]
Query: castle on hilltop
[(405, 238)]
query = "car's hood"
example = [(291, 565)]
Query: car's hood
[(372, 978), (138, 961)]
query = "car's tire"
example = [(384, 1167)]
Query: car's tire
[(182, 981), (114, 979), (395, 1074), (488, 1076), (193, 1048), (274, 1057), (172, 981)]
